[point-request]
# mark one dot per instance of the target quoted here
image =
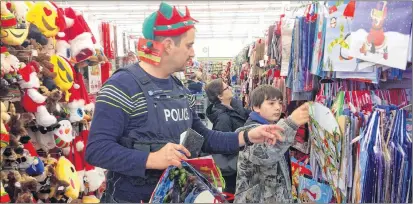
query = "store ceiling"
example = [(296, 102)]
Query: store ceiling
[(217, 19)]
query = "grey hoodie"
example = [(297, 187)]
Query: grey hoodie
[(263, 174)]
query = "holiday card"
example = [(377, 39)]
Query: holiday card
[(380, 32)]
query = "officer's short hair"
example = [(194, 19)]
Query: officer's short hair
[(264, 92), (213, 89), (176, 39)]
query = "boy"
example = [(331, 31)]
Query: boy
[(263, 172)]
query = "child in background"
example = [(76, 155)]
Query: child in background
[(263, 170)]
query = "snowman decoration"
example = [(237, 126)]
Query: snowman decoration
[(32, 100)]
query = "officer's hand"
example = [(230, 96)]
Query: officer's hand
[(169, 155), (301, 115), (265, 133)]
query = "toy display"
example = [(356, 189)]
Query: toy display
[(43, 103)]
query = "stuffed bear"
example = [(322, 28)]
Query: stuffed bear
[(26, 186), (46, 71), (32, 100), (13, 179), (52, 102)]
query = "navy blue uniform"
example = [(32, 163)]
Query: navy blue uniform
[(137, 114)]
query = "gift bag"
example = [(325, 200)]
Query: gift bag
[(298, 168), (313, 191), (185, 185)]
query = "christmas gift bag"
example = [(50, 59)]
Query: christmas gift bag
[(313, 191), (185, 185), (298, 168), (380, 32)]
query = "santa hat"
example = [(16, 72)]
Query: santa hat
[(8, 21), (29, 147), (3, 50), (26, 71), (60, 20), (168, 22)]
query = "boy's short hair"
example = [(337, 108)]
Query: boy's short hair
[(264, 92)]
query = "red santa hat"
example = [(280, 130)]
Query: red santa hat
[(26, 71), (3, 50), (60, 20)]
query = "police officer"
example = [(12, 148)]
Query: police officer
[(142, 110)]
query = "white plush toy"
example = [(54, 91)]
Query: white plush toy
[(93, 179), (32, 100)]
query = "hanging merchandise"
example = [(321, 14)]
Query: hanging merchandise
[(45, 108), (317, 58), (380, 31), (287, 25), (338, 39)]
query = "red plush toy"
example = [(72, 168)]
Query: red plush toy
[(32, 100)]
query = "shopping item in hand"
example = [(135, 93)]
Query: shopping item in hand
[(185, 185)]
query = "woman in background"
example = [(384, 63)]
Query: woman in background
[(226, 114)]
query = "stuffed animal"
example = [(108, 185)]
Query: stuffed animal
[(4, 134), (10, 33), (57, 187), (48, 19), (7, 18), (78, 36), (32, 100), (52, 102), (63, 135), (65, 172), (12, 188), (46, 71), (64, 71), (45, 140), (49, 48), (92, 181), (18, 123), (15, 65), (19, 9), (26, 185), (4, 196), (5, 66)]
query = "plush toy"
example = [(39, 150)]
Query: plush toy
[(8, 20), (23, 54), (57, 187), (49, 48), (93, 179), (4, 134), (45, 140), (4, 196), (32, 100), (63, 135), (64, 71), (5, 66), (26, 185), (52, 102), (46, 71), (17, 126), (10, 32), (15, 65), (12, 188), (65, 172), (77, 35), (47, 18)]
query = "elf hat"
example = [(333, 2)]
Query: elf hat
[(167, 22)]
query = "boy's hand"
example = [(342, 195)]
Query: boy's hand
[(301, 115)]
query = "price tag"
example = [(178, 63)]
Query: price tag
[(34, 53)]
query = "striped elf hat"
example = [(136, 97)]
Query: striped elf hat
[(167, 22)]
